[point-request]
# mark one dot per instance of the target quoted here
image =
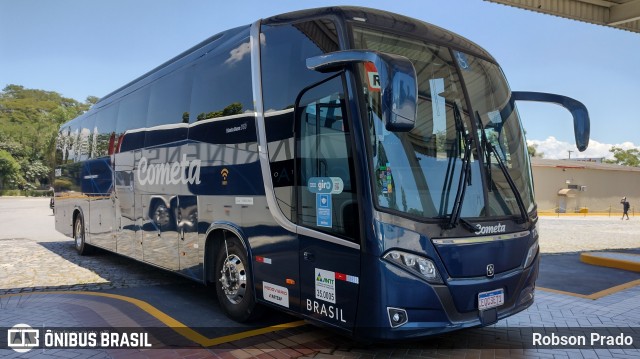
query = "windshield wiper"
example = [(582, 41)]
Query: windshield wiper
[(465, 172), (489, 150)]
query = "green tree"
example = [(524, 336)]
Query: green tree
[(10, 174), (533, 151), (29, 122), (630, 157), (35, 173)]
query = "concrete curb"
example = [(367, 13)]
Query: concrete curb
[(626, 261)]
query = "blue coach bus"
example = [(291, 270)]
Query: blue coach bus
[(357, 168)]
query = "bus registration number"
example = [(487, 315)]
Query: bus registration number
[(491, 299)]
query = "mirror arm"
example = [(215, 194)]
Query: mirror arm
[(581, 122)]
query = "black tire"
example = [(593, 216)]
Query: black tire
[(234, 284), (81, 245)]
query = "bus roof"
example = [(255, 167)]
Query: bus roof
[(385, 19), (364, 16)]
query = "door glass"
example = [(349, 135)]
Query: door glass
[(326, 186)]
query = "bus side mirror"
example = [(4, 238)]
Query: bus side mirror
[(581, 124), (394, 76)]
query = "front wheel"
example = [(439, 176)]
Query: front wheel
[(78, 235), (234, 284)]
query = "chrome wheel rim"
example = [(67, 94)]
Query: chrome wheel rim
[(233, 278), (78, 234), (161, 216)]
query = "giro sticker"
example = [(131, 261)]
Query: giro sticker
[(332, 185)]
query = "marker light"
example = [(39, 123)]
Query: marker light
[(420, 266)]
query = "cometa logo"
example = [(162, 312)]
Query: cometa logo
[(183, 172), (498, 228)]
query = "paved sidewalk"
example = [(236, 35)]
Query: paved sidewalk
[(45, 266), (551, 311)]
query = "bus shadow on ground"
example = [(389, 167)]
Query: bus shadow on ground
[(116, 270), (189, 302)]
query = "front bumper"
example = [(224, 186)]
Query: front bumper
[(436, 309)]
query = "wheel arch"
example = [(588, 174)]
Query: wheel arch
[(214, 237), (77, 211), (154, 201)]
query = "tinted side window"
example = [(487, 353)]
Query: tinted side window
[(222, 82), (327, 194), (64, 145), (85, 138), (169, 99), (105, 127), (73, 140), (169, 105), (132, 115), (284, 51)]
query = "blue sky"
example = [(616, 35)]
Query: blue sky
[(83, 47)]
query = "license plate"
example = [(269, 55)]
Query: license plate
[(491, 299)]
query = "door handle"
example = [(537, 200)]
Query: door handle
[(309, 256)]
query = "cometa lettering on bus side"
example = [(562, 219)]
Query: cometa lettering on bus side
[(183, 172)]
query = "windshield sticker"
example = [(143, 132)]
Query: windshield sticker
[(372, 76), (275, 294), (332, 185), (462, 60), (386, 179), (325, 285), (323, 210)]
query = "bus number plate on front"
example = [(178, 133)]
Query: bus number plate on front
[(492, 299)]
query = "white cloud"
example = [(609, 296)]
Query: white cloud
[(554, 149), (237, 54)]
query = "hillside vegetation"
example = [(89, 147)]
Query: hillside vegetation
[(29, 122)]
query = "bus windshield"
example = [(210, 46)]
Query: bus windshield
[(418, 173)]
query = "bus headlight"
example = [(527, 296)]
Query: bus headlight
[(533, 250), (420, 266)]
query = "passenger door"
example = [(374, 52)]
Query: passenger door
[(327, 206)]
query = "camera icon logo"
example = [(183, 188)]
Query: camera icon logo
[(22, 338)]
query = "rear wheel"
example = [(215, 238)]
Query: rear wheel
[(161, 216), (78, 235), (234, 284)]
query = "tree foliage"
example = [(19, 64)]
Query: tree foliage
[(29, 122), (630, 157), (10, 171), (533, 151)]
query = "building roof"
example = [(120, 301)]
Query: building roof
[(620, 14), (543, 162)]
